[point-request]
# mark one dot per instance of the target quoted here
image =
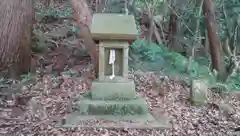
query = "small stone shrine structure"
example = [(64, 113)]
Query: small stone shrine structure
[(113, 96)]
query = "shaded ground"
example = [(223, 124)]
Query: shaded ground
[(34, 107), (47, 104)]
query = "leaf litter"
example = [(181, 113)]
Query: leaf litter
[(36, 109), (49, 104)]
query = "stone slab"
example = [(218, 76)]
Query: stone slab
[(116, 79), (198, 91), (146, 121), (113, 26), (112, 107), (113, 90), (115, 44)]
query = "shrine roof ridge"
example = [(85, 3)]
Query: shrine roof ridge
[(113, 26)]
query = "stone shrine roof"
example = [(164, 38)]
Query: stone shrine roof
[(112, 26)]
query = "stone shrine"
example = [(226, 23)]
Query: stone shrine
[(113, 96)]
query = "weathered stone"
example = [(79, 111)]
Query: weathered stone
[(108, 26), (137, 106), (113, 100), (145, 121), (226, 109), (121, 63), (113, 91), (118, 63), (198, 91)]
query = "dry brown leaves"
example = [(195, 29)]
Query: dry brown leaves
[(51, 102)]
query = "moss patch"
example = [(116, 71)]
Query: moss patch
[(136, 106), (113, 91)]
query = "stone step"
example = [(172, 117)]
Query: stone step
[(124, 90), (136, 106), (145, 121)]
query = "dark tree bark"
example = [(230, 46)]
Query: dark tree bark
[(16, 21), (214, 42), (172, 26), (176, 6)]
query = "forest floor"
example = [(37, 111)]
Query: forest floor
[(35, 110), (33, 105)]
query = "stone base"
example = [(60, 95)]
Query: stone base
[(113, 104), (135, 106), (145, 121), (123, 90)]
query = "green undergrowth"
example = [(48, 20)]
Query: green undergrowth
[(153, 57)]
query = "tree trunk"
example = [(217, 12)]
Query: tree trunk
[(173, 29), (172, 26), (214, 42), (84, 18), (15, 32)]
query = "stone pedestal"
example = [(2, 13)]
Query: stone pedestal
[(117, 105), (112, 97), (124, 90)]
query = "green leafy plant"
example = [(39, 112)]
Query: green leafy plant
[(174, 64), (26, 77)]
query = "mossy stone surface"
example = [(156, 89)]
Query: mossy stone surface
[(113, 91), (198, 92), (113, 26), (136, 106), (146, 121)]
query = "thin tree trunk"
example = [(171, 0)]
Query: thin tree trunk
[(84, 18), (214, 42), (16, 21), (172, 25)]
